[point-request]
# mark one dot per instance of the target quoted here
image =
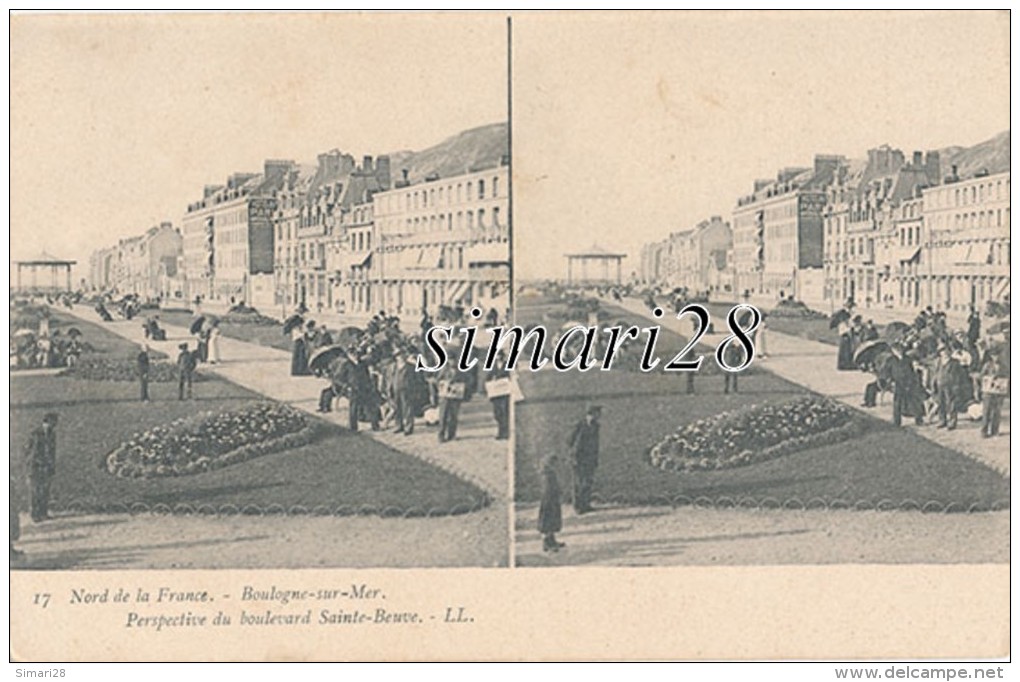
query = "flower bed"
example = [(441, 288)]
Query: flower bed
[(252, 317), (756, 434), (797, 310), (209, 441), (107, 369)]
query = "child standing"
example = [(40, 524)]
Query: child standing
[(550, 512)]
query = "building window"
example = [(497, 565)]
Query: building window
[(470, 219), (481, 190), (481, 212), (495, 187), (495, 213), (468, 192)]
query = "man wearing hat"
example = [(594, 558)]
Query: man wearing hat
[(407, 390), (186, 363), (41, 458), (362, 399), (584, 456), (947, 387), (906, 387)]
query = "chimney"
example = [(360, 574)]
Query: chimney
[(826, 163), (209, 190), (366, 165), (382, 171), (918, 159), (760, 184), (933, 167)]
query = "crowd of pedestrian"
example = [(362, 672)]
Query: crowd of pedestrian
[(935, 373), (373, 368)]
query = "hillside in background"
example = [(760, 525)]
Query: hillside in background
[(991, 155), (473, 149)]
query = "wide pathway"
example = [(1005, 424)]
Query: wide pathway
[(661, 536), (474, 455), (812, 364)]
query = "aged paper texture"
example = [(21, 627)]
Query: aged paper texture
[(230, 234)]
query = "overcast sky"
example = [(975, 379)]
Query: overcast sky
[(118, 121), (627, 128)]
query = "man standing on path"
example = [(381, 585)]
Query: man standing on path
[(41, 456), (186, 363), (947, 386), (994, 388), (143, 372), (361, 394), (407, 390), (453, 390), (906, 388), (584, 457)]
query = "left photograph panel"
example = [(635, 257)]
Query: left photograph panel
[(229, 235)]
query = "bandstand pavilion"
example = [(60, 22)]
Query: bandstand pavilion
[(44, 274), (595, 266)]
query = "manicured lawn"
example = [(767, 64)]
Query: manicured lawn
[(263, 335), (338, 471), (812, 329), (885, 464)]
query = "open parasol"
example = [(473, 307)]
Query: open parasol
[(348, 337), (196, 324), (896, 330), (74, 332), (323, 357), (292, 323), (838, 318), (867, 353)]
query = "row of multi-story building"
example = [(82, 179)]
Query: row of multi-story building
[(336, 236), (145, 265), (886, 232)]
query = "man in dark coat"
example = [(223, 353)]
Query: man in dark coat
[(973, 326), (906, 387), (408, 391), (584, 457), (186, 363), (143, 372), (361, 394), (41, 458)]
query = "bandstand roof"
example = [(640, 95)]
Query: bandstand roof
[(594, 252), (44, 258)]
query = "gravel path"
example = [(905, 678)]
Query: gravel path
[(660, 536), (122, 541)]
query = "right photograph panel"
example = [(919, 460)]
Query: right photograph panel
[(770, 253)]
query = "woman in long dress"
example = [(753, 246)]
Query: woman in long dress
[(299, 354), (845, 359), (214, 343), (550, 511)]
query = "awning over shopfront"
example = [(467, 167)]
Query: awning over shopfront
[(907, 254)]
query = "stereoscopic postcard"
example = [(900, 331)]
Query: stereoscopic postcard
[(509, 336)]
